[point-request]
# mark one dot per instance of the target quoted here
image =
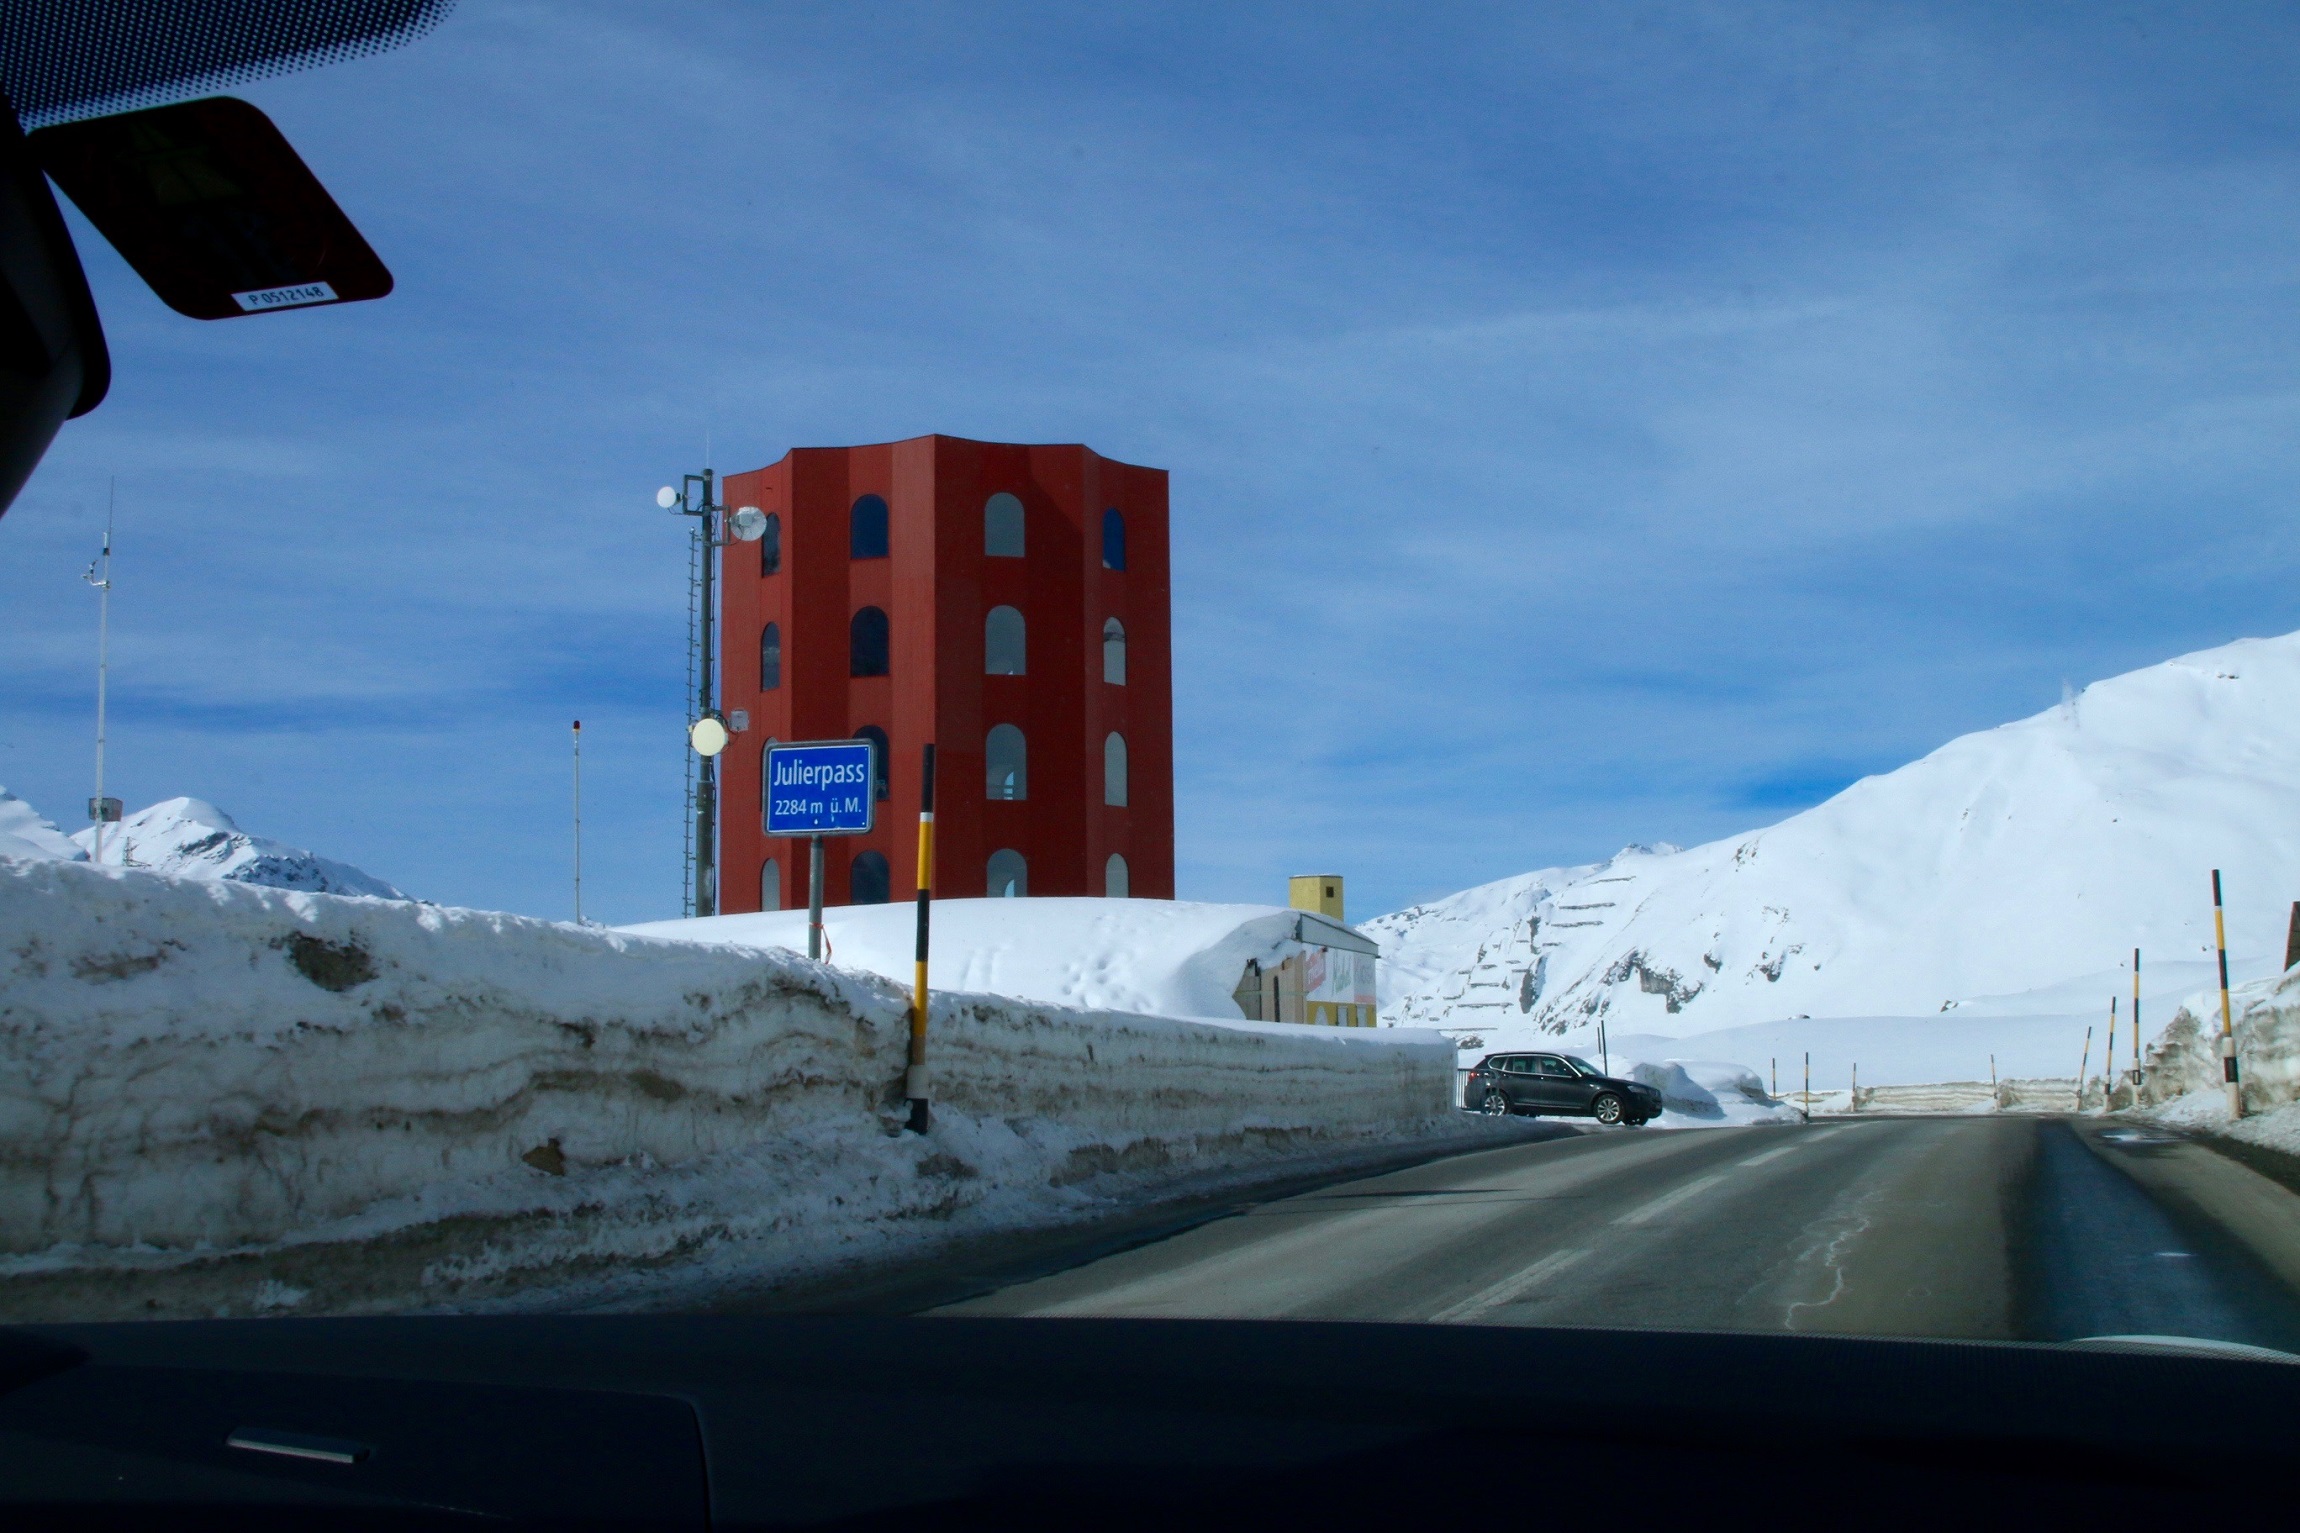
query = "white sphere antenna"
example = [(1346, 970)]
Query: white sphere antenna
[(666, 497), (708, 736), (749, 524)]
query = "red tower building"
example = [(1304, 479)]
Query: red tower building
[(1007, 603)]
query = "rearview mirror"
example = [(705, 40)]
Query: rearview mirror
[(213, 208)]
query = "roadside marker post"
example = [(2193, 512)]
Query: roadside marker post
[(1808, 1096), (2227, 1022), (818, 788), (2108, 1062), (914, 1079), (2136, 1027), (2084, 1067)]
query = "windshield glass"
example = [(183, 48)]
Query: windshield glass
[(1203, 570)]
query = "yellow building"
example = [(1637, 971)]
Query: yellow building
[(1326, 976)]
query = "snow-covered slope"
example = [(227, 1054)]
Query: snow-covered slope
[(2034, 855), (191, 838), (1172, 958), (25, 832)]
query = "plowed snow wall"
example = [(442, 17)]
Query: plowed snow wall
[(185, 1063), (2185, 1057)]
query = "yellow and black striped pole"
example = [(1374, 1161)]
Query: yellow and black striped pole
[(914, 1080), (2227, 1023), (2136, 1026)]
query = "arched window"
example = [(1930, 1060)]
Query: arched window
[(1002, 527), (1114, 652), (1113, 540), (867, 643), (1114, 770), (771, 546), (1114, 877), (771, 657), (868, 880), (770, 886), (1002, 643), (866, 529), (1009, 875), (1007, 759), (877, 738)]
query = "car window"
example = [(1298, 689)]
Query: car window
[(1796, 320)]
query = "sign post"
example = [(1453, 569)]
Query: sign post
[(818, 788)]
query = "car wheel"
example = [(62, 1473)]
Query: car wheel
[(1495, 1105), (1607, 1108)]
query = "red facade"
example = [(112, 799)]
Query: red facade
[(951, 606)]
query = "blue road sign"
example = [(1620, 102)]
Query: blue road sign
[(820, 788)]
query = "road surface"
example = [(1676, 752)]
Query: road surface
[(2032, 1229)]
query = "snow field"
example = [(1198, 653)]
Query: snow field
[(1170, 958), (377, 1104)]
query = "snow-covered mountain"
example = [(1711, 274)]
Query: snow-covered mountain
[(2034, 855), (26, 832), (192, 838)]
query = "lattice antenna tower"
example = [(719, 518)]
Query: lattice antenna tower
[(689, 802)]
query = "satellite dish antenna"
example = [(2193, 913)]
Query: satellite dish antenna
[(749, 523), (666, 497), (707, 735)]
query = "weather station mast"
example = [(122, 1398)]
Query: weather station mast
[(707, 728)]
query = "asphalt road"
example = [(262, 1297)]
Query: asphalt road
[(2031, 1229)]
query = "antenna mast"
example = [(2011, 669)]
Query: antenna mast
[(697, 497), (102, 810)]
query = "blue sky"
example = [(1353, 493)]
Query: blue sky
[(1587, 424)]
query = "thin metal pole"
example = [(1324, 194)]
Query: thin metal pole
[(2084, 1067), (815, 898), (578, 822), (97, 807), (2108, 1062), (2227, 1022), (1808, 1098), (707, 779), (915, 1081)]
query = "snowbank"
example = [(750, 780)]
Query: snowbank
[(374, 1104), (1175, 958), (2034, 855), (2183, 1080), (1711, 1092)]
